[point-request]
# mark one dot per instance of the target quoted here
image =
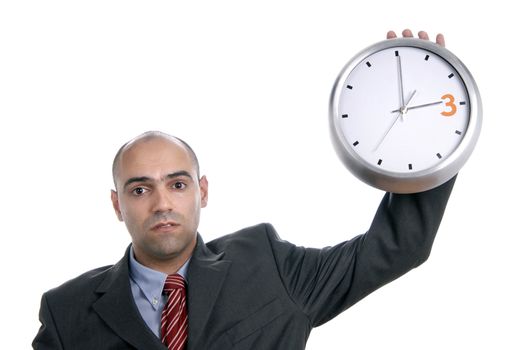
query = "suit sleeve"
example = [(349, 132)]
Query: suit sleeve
[(325, 282), (47, 337)]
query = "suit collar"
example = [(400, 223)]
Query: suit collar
[(205, 277), (207, 272), (117, 308)]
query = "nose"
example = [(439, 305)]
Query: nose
[(162, 201)]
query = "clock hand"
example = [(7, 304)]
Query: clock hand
[(400, 80), (420, 106), (402, 111)]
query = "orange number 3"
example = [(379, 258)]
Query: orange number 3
[(450, 104)]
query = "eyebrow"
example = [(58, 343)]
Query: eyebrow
[(178, 174), (148, 179)]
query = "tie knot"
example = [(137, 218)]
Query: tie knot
[(173, 282)]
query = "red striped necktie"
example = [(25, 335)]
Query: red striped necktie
[(174, 316)]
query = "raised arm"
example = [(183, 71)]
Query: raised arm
[(325, 282)]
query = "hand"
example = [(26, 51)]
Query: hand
[(419, 106), (407, 33), (400, 82), (401, 111)]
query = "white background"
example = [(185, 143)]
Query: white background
[(247, 85)]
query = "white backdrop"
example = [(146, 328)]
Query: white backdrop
[(247, 85)]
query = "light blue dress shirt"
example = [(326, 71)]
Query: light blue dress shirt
[(147, 286)]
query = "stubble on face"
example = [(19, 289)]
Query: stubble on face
[(161, 218), (160, 236)]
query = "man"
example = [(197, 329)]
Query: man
[(246, 290)]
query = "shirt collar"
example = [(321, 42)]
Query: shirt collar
[(151, 281)]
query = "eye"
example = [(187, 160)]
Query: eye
[(138, 191), (179, 185)]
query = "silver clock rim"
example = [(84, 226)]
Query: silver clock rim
[(417, 181)]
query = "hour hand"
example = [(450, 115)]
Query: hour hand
[(419, 106)]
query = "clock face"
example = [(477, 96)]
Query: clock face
[(405, 110)]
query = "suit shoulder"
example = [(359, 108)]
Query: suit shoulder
[(87, 281), (258, 236)]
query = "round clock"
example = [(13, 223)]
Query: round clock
[(405, 115)]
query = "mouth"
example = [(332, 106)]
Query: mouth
[(165, 226)]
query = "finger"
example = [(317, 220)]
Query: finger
[(391, 34), (440, 40), (423, 35), (407, 33)]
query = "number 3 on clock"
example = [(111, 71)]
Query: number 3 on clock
[(450, 104)]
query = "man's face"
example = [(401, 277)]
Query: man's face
[(159, 197)]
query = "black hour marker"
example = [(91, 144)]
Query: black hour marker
[(439, 155), (368, 64), (356, 143), (349, 87), (451, 75), (462, 103), (396, 53), (344, 115), (458, 132), (427, 58), (410, 166), (379, 162)]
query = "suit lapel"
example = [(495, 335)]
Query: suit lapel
[(118, 309), (207, 272)]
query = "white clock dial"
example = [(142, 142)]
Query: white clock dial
[(389, 134), (405, 115)]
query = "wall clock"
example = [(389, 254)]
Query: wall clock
[(405, 115)]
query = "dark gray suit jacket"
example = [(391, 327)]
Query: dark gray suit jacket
[(250, 289)]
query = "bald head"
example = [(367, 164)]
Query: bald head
[(159, 195), (149, 136)]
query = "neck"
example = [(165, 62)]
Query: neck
[(167, 264)]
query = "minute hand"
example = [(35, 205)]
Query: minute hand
[(420, 106)]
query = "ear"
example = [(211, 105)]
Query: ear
[(116, 204), (204, 191)]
